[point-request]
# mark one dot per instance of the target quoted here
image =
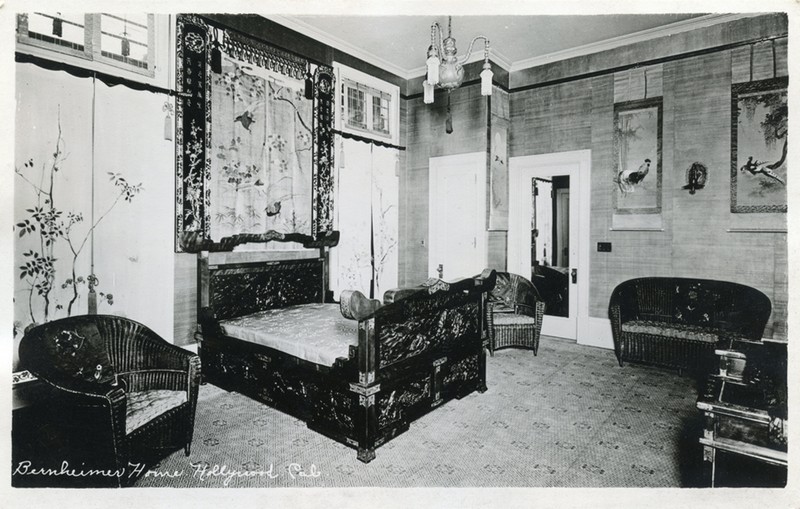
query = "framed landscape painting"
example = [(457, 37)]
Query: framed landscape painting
[(759, 142), (636, 176)]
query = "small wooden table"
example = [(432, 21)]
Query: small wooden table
[(741, 414)]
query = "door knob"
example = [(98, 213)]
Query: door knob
[(440, 270), (574, 276)]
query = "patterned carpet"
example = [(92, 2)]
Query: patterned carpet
[(570, 417)]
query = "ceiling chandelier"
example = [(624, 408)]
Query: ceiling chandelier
[(444, 69)]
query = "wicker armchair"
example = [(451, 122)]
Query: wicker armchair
[(122, 398), (514, 314)]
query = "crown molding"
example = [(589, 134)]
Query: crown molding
[(628, 39), (501, 60), (335, 42)]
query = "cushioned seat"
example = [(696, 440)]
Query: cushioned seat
[(501, 319), (681, 331), (145, 406)]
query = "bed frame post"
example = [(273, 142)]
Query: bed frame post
[(484, 344), (326, 270), (203, 288), (367, 387)]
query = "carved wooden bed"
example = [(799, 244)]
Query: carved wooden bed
[(422, 347)]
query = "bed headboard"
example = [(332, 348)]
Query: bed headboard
[(234, 284)]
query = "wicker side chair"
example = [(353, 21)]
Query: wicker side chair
[(514, 313), (122, 395)]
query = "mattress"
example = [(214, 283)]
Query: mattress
[(317, 333)]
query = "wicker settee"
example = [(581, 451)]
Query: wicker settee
[(678, 322), (122, 397)]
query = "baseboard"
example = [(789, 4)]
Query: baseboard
[(599, 334)]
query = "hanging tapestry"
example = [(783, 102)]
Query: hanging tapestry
[(759, 142), (260, 161), (636, 175), (192, 131), (260, 152)]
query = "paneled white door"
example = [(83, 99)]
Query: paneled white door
[(457, 220)]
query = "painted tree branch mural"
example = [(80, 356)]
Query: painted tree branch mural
[(54, 226), (385, 240)]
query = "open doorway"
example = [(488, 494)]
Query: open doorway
[(548, 235), (550, 246)]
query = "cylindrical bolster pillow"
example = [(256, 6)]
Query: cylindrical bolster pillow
[(355, 306)]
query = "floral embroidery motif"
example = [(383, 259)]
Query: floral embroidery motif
[(194, 42)]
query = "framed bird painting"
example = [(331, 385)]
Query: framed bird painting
[(759, 142), (636, 175)]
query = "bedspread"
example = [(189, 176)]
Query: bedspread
[(317, 333)]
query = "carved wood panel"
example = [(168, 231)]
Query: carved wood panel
[(248, 288)]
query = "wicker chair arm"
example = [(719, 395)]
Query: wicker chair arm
[(615, 315), (489, 320), (194, 377), (82, 392), (76, 393), (540, 309), (99, 410), (184, 378), (154, 353)]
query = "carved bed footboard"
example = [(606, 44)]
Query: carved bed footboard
[(423, 347)]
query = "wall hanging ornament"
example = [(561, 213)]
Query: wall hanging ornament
[(696, 177), (58, 26), (308, 83), (168, 123), (125, 49), (216, 54)]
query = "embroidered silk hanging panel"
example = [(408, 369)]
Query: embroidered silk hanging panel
[(192, 132), (255, 142), (260, 152)]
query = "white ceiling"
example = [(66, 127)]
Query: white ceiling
[(399, 43)]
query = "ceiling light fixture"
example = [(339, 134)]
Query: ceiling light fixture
[(444, 69)]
